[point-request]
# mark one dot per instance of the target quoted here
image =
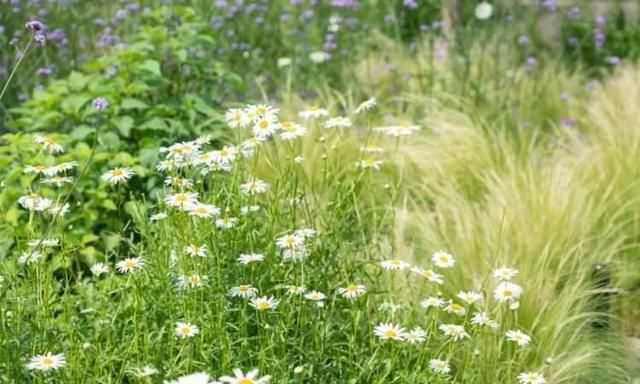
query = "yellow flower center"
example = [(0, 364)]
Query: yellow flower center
[(40, 167), (263, 305), (117, 172), (390, 333), (181, 197), (352, 288), (264, 124), (185, 330), (201, 210), (243, 288), (130, 264), (444, 259), (245, 380), (47, 362), (456, 307), (507, 293)]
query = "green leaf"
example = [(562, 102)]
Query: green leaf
[(124, 124), (108, 204), (133, 104), (152, 66), (81, 132), (77, 80), (155, 124)]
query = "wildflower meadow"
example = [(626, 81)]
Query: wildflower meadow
[(319, 191)]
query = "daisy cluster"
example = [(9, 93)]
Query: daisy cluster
[(459, 318)]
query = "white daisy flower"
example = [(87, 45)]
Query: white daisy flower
[(482, 319), (264, 303), (59, 210), (35, 169), (395, 265), (298, 159), (432, 302), (531, 378), (372, 148), (98, 269), (370, 163), (505, 273), (194, 378), (250, 377), (190, 281), (179, 182), (35, 202), (44, 243), (470, 297), (184, 330), (247, 258), (454, 308), (226, 222), (352, 291), (195, 250), (389, 331), (256, 112), (315, 296), (237, 118), (203, 211), (519, 337), (57, 181), (313, 113), (295, 290), (244, 291), (48, 144), (146, 371), (253, 186), (294, 254), (130, 264), (338, 122), (181, 199), (46, 362), (29, 257), (291, 130), (290, 241), (439, 366), (265, 127), (415, 336), (158, 216), (428, 274), (117, 175), (366, 105), (507, 292), (443, 259), (248, 209), (457, 332)]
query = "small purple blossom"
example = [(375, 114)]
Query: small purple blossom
[(613, 60), (40, 39), (411, 4), (34, 26), (121, 14), (531, 63), (549, 4), (100, 103), (44, 71), (601, 21), (523, 40), (345, 3), (568, 122), (598, 38), (574, 13)]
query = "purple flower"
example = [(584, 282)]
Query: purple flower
[(40, 39), (345, 3), (573, 41), (601, 21), (296, 2), (568, 122), (574, 13), (531, 63), (330, 45), (56, 35), (100, 103), (549, 4), (598, 38), (523, 40), (34, 26), (121, 14), (424, 28), (411, 4), (436, 25), (44, 71), (306, 15), (612, 60)]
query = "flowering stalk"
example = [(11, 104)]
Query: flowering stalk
[(14, 69)]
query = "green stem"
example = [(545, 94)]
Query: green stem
[(15, 68)]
